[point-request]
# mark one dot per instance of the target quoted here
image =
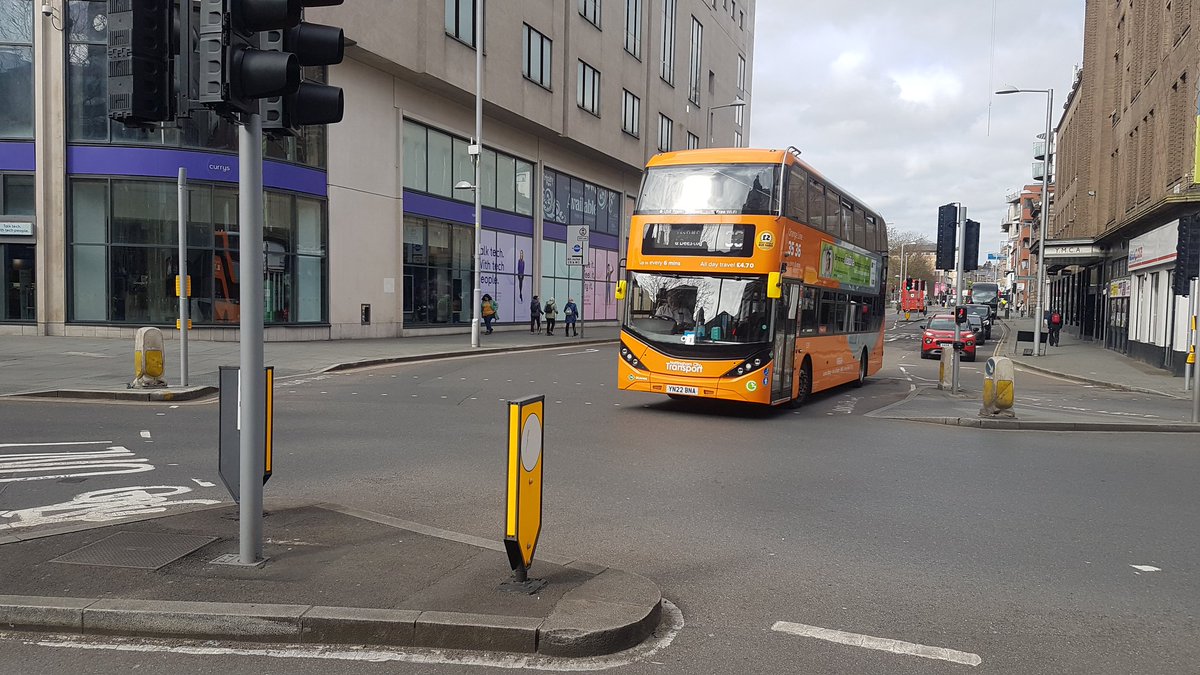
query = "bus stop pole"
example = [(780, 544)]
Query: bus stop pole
[(252, 407)]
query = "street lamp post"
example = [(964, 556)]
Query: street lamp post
[(1045, 213), (737, 103)]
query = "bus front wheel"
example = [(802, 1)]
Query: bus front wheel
[(804, 390)]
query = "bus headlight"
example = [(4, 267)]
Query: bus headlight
[(741, 370), (757, 362)]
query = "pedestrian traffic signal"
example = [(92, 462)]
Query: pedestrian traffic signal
[(970, 245), (313, 102), (946, 236), (960, 315), (139, 58), (235, 73), (1187, 254)]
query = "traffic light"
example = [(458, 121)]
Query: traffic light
[(313, 102), (960, 315), (947, 234), (970, 245), (235, 73), (1187, 254), (908, 284), (139, 58)]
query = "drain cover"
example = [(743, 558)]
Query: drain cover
[(141, 550)]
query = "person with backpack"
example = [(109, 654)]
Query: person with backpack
[(551, 315), (570, 312), (535, 315), (488, 311), (1055, 322)]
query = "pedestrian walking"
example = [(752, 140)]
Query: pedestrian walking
[(1054, 320), (570, 313), (551, 315), (488, 311), (535, 315)]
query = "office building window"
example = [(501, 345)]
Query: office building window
[(536, 53), (18, 255), (123, 253), (590, 10), (667, 68), (633, 28), (741, 74), (694, 69), (16, 68), (737, 139), (631, 113), (693, 141), (460, 20), (589, 89), (665, 129), (434, 161)]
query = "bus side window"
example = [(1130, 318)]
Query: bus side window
[(808, 312), (848, 222), (833, 214), (873, 234), (860, 230), (816, 204), (797, 194)]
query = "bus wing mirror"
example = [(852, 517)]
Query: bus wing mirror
[(774, 285), (621, 290)]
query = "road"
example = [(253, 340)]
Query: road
[(1016, 548)]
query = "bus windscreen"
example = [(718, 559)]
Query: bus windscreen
[(715, 239), (717, 189)]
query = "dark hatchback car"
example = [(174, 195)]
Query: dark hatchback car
[(984, 312)]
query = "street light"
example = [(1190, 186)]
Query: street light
[(1037, 333), (737, 103)]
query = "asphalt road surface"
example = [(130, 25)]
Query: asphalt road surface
[(1013, 550)]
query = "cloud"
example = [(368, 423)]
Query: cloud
[(893, 100)]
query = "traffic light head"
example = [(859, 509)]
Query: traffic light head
[(960, 315), (946, 236), (139, 57), (970, 245), (312, 102)]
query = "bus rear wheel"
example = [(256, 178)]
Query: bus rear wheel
[(862, 370)]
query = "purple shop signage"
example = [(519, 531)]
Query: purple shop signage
[(16, 156), (165, 163), (420, 204)]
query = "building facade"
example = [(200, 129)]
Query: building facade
[(365, 233), (1126, 171)]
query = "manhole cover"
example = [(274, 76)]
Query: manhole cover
[(140, 550)]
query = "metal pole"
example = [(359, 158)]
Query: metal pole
[(1196, 347), (252, 382), (1042, 234), (478, 295), (1187, 367), (183, 278), (958, 291)]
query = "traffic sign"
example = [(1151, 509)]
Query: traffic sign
[(523, 524), (577, 246), (229, 418)]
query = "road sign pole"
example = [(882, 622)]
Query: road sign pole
[(250, 269), (182, 285)]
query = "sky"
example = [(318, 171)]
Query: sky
[(892, 99)]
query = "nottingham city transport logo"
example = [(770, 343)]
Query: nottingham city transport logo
[(766, 241), (684, 367)]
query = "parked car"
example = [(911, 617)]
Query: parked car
[(984, 312), (975, 323), (940, 331)]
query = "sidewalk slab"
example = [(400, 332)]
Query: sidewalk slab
[(331, 577)]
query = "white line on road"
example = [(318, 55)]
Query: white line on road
[(32, 445), (882, 644), (586, 351), (1146, 568), (203, 483), (145, 433)]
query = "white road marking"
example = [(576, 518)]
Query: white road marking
[(174, 407), (102, 506), (882, 644), (42, 445), (113, 460), (92, 355), (586, 351), (145, 433), (662, 638), (1146, 568), (203, 483)]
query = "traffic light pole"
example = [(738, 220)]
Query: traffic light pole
[(958, 294), (252, 384), (1196, 349), (182, 283)]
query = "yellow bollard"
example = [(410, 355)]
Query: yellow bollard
[(149, 362), (999, 391)]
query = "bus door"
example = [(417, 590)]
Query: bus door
[(784, 325)]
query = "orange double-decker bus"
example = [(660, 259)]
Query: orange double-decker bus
[(749, 277)]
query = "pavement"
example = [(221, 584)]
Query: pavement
[(1151, 400), (333, 575), (92, 367)]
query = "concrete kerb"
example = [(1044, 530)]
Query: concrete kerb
[(137, 395), (388, 360), (611, 612)]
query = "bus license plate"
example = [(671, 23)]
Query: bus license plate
[(679, 389)]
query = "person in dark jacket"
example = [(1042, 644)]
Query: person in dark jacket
[(570, 313), (551, 315), (535, 315)]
